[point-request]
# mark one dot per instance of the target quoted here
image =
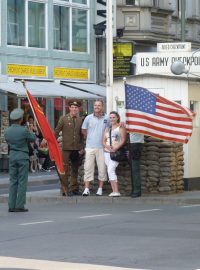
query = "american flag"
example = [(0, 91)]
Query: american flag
[(156, 116)]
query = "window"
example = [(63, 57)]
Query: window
[(195, 107), (20, 33), (71, 25), (130, 2), (36, 25), (61, 28), (16, 22), (79, 30), (80, 1)]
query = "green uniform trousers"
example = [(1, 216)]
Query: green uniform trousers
[(70, 179), (18, 170)]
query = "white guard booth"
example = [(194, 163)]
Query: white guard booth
[(182, 90)]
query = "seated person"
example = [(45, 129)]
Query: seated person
[(43, 152)]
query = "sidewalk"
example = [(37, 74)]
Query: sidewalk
[(37, 178), (42, 178)]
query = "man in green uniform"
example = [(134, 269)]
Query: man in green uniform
[(17, 137), (72, 146), (136, 146)]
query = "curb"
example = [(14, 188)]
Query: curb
[(54, 197)]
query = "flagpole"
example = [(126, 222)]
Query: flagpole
[(59, 173), (109, 56), (24, 85)]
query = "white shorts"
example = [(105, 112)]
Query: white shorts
[(111, 167), (91, 155)]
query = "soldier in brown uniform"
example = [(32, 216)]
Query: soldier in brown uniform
[(72, 145)]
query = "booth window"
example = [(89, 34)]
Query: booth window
[(195, 107), (20, 33)]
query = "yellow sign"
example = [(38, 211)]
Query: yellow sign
[(70, 73), (25, 70), (122, 49)]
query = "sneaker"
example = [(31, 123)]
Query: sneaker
[(99, 192), (114, 194), (86, 192)]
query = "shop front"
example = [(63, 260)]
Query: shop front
[(53, 97)]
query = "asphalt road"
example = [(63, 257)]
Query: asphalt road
[(117, 235)]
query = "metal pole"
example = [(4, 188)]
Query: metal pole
[(182, 20), (109, 56)]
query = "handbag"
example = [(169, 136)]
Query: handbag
[(120, 154)]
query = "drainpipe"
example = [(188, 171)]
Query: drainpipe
[(183, 20)]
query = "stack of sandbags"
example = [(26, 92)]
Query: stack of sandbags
[(167, 167), (162, 166), (179, 167), (124, 178), (151, 148)]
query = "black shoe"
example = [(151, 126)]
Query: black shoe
[(11, 210), (76, 193), (21, 210), (64, 194), (135, 195)]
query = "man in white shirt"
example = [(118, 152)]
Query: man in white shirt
[(93, 128)]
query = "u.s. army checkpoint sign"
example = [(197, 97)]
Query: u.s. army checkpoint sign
[(160, 63)]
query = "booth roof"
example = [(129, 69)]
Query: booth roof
[(50, 89)]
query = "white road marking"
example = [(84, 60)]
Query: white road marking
[(192, 205), (10, 262), (146, 210), (103, 215), (38, 222)]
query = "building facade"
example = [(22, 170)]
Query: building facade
[(46, 40), (146, 22)]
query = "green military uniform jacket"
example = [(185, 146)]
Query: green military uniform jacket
[(17, 137), (71, 132)]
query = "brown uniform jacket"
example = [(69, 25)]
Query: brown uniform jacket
[(71, 132)]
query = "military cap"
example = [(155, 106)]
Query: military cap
[(75, 103), (16, 114)]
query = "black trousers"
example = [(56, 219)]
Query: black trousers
[(135, 154)]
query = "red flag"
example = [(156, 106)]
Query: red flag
[(54, 150), (156, 116)]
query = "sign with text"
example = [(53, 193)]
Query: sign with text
[(71, 73), (101, 14), (122, 54), (26, 70), (160, 63), (174, 47)]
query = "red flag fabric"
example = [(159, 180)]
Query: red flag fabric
[(156, 116), (54, 150)]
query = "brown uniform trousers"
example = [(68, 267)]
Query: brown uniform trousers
[(72, 140)]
